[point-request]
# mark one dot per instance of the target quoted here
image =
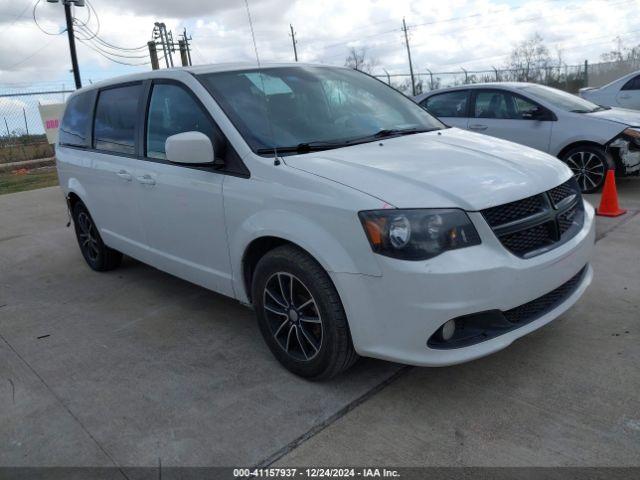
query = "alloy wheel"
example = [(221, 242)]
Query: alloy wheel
[(588, 168), (293, 316), (88, 236)]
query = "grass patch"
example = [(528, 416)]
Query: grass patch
[(12, 182), (18, 151)]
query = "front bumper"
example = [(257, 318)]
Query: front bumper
[(392, 316)]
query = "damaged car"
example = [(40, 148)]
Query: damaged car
[(589, 138)]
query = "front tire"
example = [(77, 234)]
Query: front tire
[(300, 314), (589, 164), (97, 255)]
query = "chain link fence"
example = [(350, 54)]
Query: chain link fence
[(606, 72), (567, 77), (21, 131)]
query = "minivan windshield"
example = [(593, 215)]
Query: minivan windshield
[(306, 108), (563, 100)]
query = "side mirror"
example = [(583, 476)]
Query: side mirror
[(536, 113), (189, 148)]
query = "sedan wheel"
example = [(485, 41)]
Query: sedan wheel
[(589, 165)]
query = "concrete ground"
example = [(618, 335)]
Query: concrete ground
[(135, 367)]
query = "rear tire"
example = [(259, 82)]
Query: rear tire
[(300, 314), (589, 164), (97, 255)]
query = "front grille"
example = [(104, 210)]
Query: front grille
[(536, 308), (562, 191), (528, 240), (513, 211), (567, 218), (536, 224)]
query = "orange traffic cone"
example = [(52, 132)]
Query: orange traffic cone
[(609, 201)]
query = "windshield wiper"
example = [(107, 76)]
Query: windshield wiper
[(305, 147), (388, 133), (391, 132), (318, 146)]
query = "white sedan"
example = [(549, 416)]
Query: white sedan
[(591, 139), (623, 92)]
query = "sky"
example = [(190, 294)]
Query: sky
[(444, 35)]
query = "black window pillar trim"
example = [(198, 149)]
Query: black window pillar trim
[(141, 131)]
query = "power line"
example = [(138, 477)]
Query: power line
[(28, 57), (35, 19), (18, 17), (99, 46), (113, 59)]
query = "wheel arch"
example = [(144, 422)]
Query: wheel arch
[(337, 250), (579, 143), (254, 251), (604, 148), (75, 192)]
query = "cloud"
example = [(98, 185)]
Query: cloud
[(444, 36)]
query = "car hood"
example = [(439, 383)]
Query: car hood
[(618, 115), (450, 168)]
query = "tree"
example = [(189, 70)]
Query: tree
[(530, 59), (617, 54), (358, 60), (621, 54)]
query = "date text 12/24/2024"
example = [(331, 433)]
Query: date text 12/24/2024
[(316, 472)]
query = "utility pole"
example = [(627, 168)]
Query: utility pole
[(182, 46), (293, 40), (170, 45), (153, 54), (586, 73), (406, 39), (185, 39), (70, 34), (160, 32)]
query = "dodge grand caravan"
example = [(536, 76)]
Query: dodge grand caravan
[(350, 219)]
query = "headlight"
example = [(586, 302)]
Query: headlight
[(633, 134), (418, 234)]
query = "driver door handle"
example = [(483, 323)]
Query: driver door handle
[(478, 127), (146, 180), (124, 175), (625, 96)]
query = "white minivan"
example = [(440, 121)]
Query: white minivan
[(353, 222)]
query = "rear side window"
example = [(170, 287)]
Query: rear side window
[(74, 129), (115, 120), (501, 105), (173, 110), (450, 104), (633, 84)]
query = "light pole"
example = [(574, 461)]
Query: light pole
[(72, 39)]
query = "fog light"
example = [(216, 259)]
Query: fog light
[(448, 329)]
